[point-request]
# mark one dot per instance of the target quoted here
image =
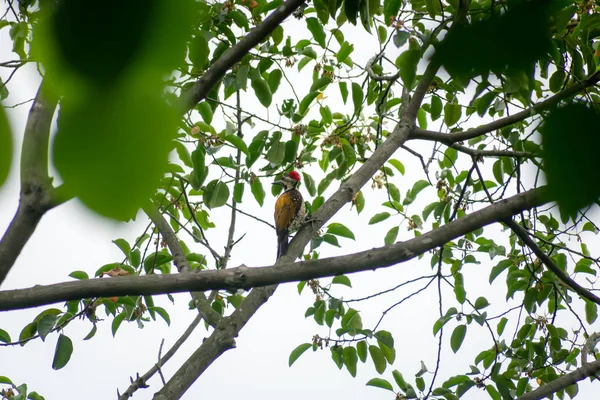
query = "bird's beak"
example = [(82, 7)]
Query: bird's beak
[(277, 183)]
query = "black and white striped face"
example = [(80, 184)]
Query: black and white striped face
[(287, 182)]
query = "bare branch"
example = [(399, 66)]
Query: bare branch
[(564, 381), (36, 187), (190, 98), (238, 159), (374, 76), (493, 153), (551, 265), (244, 277), (450, 138), (140, 381)]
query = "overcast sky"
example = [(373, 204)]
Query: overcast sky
[(71, 238)]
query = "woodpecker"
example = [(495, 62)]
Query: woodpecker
[(289, 210)]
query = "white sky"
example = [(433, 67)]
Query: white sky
[(70, 238)]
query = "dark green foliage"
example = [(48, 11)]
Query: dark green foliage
[(496, 43), (571, 144)]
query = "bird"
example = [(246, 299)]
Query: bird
[(290, 211)]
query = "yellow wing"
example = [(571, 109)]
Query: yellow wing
[(285, 211)]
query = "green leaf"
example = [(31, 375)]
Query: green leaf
[(199, 51), (306, 102), (200, 170), (556, 80), (258, 191), (309, 182), (361, 349), (379, 217), (79, 275), (338, 229), (320, 84), (481, 302), (483, 103), (123, 245), (433, 8), (205, 111), (351, 10), (458, 335), (163, 313), (46, 324), (6, 147), (4, 336), (262, 91), (436, 107), (452, 113), (342, 280), (343, 91), (62, 354), (418, 187), (28, 332), (398, 165), (399, 379), (238, 142), (275, 79), (591, 311), (381, 383), (117, 322), (385, 337), (345, 50), (351, 319), (357, 97), (6, 380), (92, 333), (297, 352), (378, 358), (120, 160), (407, 64), (315, 27), (276, 153), (391, 236), (459, 288), (422, 118), (570, 161), (390, 10), (238, 192), (216, 194), (331, 239), (350, 359)]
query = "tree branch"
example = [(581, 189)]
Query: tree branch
[(493, 153), (140, 381), (182, 264), (551, 265), (244, 277), (222, 338), (190, 98), (36, 186), (564, 381), (450, 138)]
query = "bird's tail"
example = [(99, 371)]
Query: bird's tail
[(282, 244)]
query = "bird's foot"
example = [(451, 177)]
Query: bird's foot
[(310, 219)]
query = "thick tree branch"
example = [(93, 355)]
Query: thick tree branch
[(564, 381), (182, 264), (190, 98), (36, 186), (244, 277), (450, 138)]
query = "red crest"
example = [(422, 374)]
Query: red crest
[(295, 176)]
